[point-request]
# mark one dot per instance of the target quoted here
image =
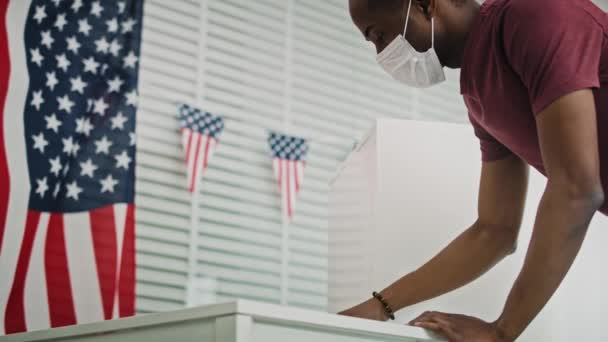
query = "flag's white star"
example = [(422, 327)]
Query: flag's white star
[(108, 184), (118, 122), (100, 106), (66, 168), (39, 142), (36, 56), (60, 22), (76, 5), (130, 60), (37, 99), (75, 148), (73, 44), (132, 138), (47, 39), (73, 190), (102, 45), (62, 62), (83, 126), (127, 25), (70, 147), (104, 67), (40, 14), (112, 25), (51, 80), (91, 65), (103, 145), (87, 168), (42, 187), (122, 160), (55, 166), (115, 84), (121, 7), (68, 144), (84, 27), (96, 9), (78, 85), (56, 2), (56, 190), (65, 103), (132, 98), (115, 48), (52, 123)]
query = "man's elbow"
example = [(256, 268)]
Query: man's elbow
[(597, 198), (501, 238), (578, 201), (586, 196)]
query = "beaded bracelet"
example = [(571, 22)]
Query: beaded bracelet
[(387, 309)]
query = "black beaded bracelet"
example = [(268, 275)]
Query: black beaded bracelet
[(387, 308)]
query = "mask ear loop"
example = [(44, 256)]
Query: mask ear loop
[(407, 18), (432, 32)]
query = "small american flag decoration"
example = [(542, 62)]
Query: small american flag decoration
[(289, 158), (200, 134)]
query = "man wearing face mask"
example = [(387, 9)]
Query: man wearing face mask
[(534, 77)]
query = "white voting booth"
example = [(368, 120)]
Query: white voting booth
[(406, 192), (239, 321)]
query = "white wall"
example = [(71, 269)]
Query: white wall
[(602, 3), (422, 199)]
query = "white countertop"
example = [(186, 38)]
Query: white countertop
[(260, 312)]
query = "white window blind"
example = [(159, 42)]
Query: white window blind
[(296, 66)]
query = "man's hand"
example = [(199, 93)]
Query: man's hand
[(459, 328)]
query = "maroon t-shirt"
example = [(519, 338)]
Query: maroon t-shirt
[(520, 56)]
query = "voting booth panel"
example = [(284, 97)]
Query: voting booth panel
[(237, 321), (405, 193)]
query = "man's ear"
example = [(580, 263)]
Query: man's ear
[(427, 7)]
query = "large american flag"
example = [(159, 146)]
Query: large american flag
[(289, 158), (68, 99), (200, 134)]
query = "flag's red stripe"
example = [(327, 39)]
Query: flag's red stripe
[(59, 288), (188, 146), (14, 317), (5, 71), (289, 209), (297, 176), (126, 294), (103, 231), (280, 178), (196, 161), (206, 156)]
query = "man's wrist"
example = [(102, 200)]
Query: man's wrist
[(379, 309), (503, 333)]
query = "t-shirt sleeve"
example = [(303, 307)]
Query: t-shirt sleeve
[(554, 46), (491, 149)]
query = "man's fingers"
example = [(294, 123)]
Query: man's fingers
[(429, 325), (429, 315), (439, 322), (441, 327), (425, 316), (448, 326)]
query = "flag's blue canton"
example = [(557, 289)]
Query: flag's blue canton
[(288, 147), (83, 62), (203, 123)]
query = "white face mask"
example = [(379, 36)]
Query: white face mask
[(408, 66)]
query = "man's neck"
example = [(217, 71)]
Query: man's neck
[(461, 35)]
